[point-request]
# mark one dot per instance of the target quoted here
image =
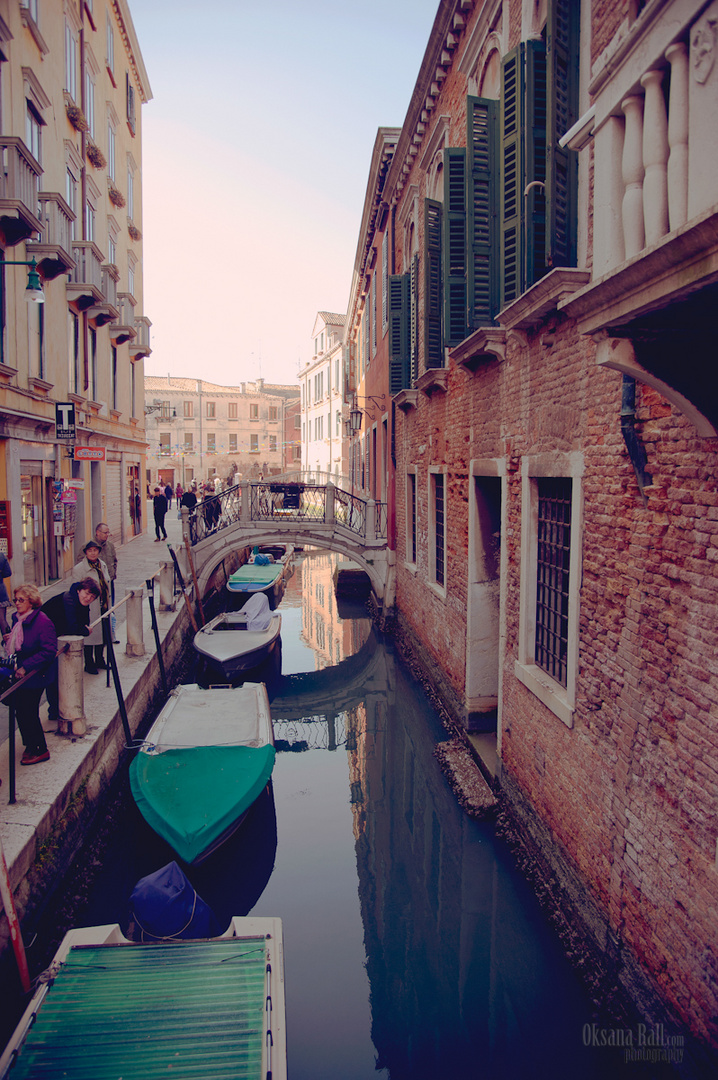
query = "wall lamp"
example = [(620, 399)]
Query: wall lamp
[(33, 290), (356, 413)]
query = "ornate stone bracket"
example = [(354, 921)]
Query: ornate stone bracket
[(406, 400), (486, 343), (619, 355), (432, 380)]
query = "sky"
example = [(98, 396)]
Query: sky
[(256, 149)]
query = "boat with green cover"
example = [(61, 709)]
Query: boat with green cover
[(110, 1008), (205, 760)]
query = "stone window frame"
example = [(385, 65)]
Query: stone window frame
[(560, 700)]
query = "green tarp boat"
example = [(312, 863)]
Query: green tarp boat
[(213, 1007), (205, 760)]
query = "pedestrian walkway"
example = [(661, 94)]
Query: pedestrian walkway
[(43, 790)]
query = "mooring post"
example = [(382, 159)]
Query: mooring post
[(71, 687), (134, 627), (167, 592)]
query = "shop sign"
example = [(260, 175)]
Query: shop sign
[(89, 453)]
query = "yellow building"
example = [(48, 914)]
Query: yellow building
[(72, 82)]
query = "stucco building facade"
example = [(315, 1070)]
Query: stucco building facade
[(73, 83), (197, 430)]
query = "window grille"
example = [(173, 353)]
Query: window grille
[(439, 528), (554, 544)]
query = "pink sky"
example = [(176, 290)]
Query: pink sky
[(256, 150)]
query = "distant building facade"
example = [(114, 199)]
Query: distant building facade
[(72, 85), (197, 430), (321, 383)]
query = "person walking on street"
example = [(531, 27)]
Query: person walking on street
[(160, 508), (33, 641), (69, 613), (109, 555), (94, 567), (168, 495)]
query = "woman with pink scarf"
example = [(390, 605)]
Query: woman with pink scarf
[(33, 641)]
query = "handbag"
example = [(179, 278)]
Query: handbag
[(8, 665)]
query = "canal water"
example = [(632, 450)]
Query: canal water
[(413, 947)]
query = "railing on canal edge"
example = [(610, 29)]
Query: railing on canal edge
[(299, 503)]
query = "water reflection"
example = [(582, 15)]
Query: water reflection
[(413, 948), (456, 958)]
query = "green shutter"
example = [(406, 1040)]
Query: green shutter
[(562, 112), (414, 319), (384, 282), (455, 246), (434, 349), (512, 172), (398, 302), (535, 159), (523, 156), (482, 231)]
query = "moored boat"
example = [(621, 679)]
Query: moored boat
[(238, 641), (111, 1007), (267, 571), (207, 757)]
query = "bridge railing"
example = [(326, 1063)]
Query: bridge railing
[(273, 501)]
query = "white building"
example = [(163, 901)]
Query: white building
[(322, 395)]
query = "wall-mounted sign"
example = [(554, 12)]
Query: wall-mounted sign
[(64, 420), (89, 453)]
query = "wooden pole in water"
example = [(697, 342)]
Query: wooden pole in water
[(190, 560), (184, 590), (8, 901)]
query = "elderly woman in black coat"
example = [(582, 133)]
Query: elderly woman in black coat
[(69, 613), (33, 642)]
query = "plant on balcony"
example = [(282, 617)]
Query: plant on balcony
[(76, 117), (134, 231), (95, 155), (116, 196)]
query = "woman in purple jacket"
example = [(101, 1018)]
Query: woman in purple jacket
[(33, 641)]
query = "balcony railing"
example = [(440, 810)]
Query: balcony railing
[(53, 251), (124, 329), (654, 138), (84, 285), (19, 185), (141, 344)]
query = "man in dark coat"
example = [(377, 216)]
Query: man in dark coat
[(168, 495), (160, 508), (69, 613)]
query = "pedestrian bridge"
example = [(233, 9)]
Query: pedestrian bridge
[(298, 513)]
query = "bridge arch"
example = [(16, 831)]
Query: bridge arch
[(209, 554)]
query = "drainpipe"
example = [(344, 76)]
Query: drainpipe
[(636, 449)]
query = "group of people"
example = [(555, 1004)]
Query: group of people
[(31, 639)]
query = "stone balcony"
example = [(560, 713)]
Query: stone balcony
[(19, 185), (53, 251), (84, 285)]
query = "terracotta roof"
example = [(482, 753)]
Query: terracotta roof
[(331, 318)]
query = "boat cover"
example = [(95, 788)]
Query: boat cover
[(184, 1009), (165, 905), (193, 796), (258, 612)]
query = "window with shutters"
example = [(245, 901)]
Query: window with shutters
[(433, 295), (398, 325), (232, 410), (384, 282), (233, 442), (539, 103)]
